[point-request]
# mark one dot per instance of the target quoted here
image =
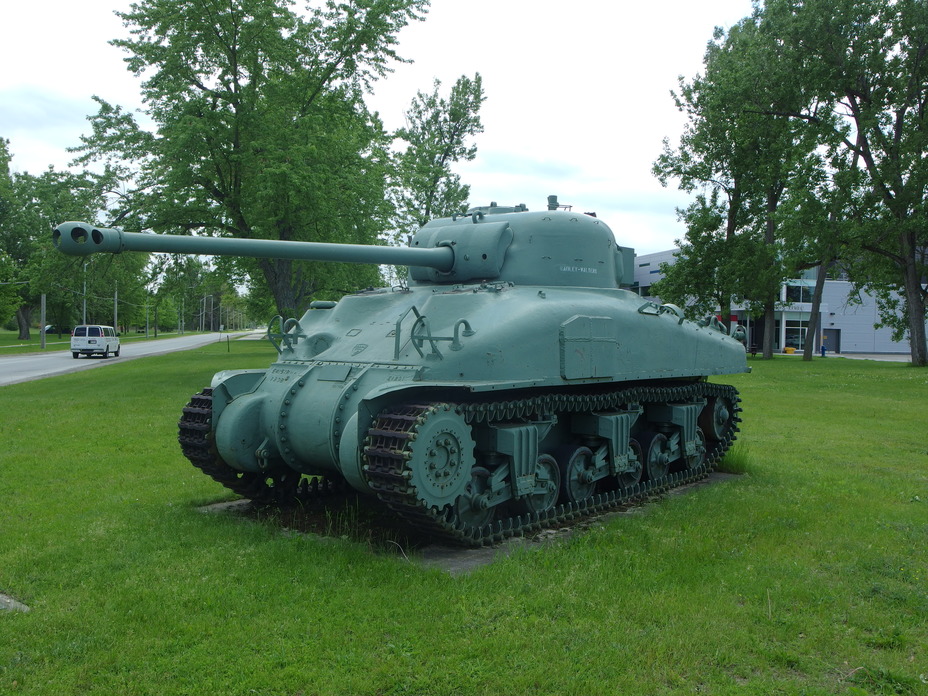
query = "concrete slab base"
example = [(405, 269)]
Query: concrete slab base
[(242, 505), (9, 604), (460, 561), (456, 560)]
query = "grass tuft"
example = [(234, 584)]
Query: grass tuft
[(737, 460)]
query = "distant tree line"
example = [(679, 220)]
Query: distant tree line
[(255, 126), (805, 147)]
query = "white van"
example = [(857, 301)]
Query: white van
[(94, 338)]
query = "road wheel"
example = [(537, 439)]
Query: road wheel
[(576, 472), (657, 455)]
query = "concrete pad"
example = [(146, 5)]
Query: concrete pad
[(883, 357), (460, 561), (242, 505), (9, 604), (456, 560)]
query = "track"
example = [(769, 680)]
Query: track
[(389, 472)]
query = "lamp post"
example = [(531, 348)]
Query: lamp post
[(84, 320)]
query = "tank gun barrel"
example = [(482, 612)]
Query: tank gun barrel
[(82, 239)]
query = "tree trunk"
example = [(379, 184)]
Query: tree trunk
[(915, 304), (725, 311), (769, 329), (770, 229), (23, 321), (286, 286), (812, 329)]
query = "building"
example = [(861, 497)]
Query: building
[(846, 327)]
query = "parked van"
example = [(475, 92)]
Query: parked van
[(94, 338)]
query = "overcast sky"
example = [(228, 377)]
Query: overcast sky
[(578, 93)]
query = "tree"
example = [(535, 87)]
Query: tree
[(32, 207), (260, 128), (184, 279), (713, 269), (9, 297), (743, 160), (811, 116), (816, 214), (868, 59), (9, 294), (437, 132)]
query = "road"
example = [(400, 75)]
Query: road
[(30, 366)]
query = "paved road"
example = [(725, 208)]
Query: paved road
[(29, 366)]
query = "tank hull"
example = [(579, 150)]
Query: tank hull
[(586, 377)]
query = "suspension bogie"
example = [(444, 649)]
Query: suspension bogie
[(592, 451)]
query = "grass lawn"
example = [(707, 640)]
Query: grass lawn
[(808, 574)]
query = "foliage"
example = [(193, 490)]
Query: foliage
[(747, 162), (9, 297), (867, 58), (37, 203), (259, 128), (181, 281), (437, 132), (835, 99), (9, 294), (713, 270)]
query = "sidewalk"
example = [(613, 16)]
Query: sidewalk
[(883, 357), (886, 357)]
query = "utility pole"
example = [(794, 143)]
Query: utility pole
[(42, 322)]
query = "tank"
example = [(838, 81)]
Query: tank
[(512, 383)]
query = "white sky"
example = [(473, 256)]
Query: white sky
[(578, 93)]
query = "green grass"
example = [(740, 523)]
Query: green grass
[(805, 575)]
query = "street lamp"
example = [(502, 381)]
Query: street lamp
[(85, 294)]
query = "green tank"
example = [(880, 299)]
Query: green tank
[(512, 382)]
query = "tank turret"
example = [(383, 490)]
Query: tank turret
[(561, 250), (512, 383)]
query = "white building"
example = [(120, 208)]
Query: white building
[(846, 327)]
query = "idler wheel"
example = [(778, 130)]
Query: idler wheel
[(657, 455), (635, 471), (576, 464), (547, 484), (716, 418), (441, 456)]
